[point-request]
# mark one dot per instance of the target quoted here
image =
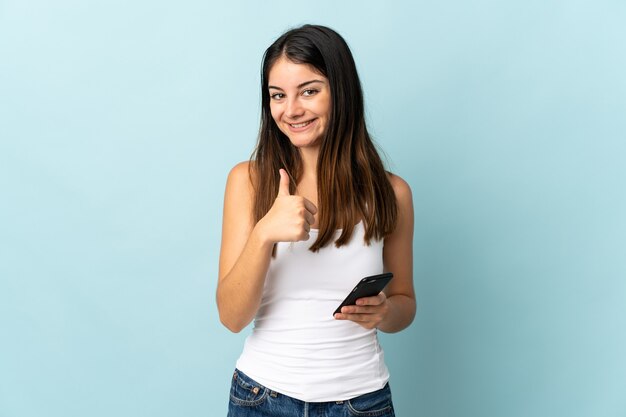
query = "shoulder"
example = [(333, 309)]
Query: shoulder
[(241, 174), (239, 194), (239, 182), (401, 188)]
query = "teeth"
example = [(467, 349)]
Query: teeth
[(301, 124)]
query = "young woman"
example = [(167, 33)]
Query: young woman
[(310, 214)]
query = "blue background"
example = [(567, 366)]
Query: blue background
[(119, 122)]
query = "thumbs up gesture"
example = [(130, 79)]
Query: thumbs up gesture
[(291, 216)]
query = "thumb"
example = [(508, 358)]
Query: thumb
[(283, 187)]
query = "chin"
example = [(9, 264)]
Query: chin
[(304, 143)]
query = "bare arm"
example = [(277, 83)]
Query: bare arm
[(398, 257), (246, 247), (393, 309)]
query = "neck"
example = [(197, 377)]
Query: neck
[(309, 161)]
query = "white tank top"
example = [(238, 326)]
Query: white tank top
[(297, 347)]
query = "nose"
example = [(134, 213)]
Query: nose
[(294, 108)]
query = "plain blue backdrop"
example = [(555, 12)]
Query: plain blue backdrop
[(119, 121)]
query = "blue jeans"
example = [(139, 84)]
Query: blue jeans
[(248, 398)]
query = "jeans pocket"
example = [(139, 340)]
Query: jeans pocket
[(373, 404), (245, 391)]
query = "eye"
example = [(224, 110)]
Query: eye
[(277, 96), (309, 92)]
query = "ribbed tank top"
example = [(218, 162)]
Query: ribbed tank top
[(297, 347)]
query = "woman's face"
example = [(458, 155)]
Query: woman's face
[(299, 102)]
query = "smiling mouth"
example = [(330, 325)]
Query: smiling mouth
[(300, 125)]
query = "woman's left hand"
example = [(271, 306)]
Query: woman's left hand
[(368, 312)]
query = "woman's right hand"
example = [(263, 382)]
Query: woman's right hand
[(291, 216)]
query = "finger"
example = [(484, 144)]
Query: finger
[(357, 318), (371, 301), (310, 206), (366, 321), (349, 316), (309, 219), (360, 309), (341, 316), (283, 187)]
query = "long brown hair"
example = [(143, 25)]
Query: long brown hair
[(352, 183)]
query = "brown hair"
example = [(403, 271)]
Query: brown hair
[(351, 180)]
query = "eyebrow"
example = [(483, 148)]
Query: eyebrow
[(304, 84)]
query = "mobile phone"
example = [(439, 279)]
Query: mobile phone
[(367, 287)]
